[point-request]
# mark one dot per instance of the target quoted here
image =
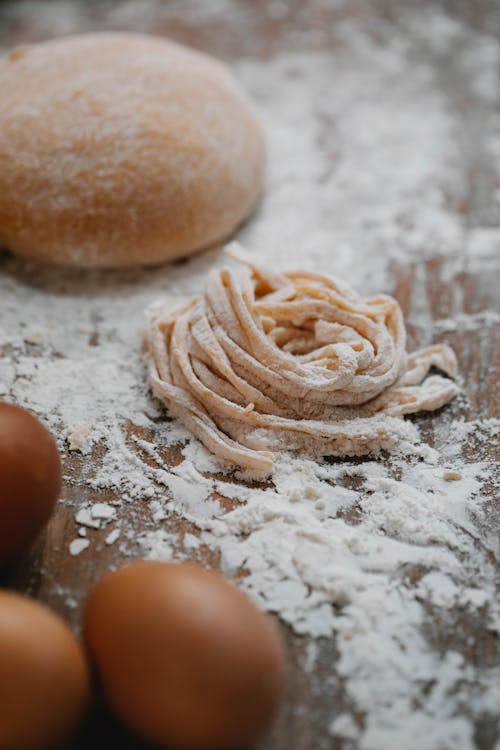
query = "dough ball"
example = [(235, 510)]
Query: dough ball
[(185, 658), (122, 150)]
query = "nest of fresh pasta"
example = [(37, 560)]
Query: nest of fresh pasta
[(263, 361)]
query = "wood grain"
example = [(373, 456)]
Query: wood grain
[(452, 286)]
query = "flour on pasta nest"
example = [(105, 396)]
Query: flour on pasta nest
[(264, 361)]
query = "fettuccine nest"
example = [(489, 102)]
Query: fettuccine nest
[(264, 361)]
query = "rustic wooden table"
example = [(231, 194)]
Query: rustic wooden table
[(251, 29)]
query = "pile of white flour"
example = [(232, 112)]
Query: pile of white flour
[(366, 174)]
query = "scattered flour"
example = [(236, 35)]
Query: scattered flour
[(113, 536), (78, 545), (366, 555), (102, 510), (85, 518)]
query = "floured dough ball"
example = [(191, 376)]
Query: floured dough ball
[(122, 150)]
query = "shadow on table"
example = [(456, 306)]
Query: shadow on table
[(77, 282)]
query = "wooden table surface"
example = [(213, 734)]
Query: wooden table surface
[(251, 31)]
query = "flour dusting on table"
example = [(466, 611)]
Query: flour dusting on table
[(366, 178)]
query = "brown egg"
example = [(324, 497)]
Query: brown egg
[(44, 680), (185, 658), (30, 479)]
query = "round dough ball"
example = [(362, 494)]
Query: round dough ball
[(185, 658), (122, 150), (30, 479), (44, 678)]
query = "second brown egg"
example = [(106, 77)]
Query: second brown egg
[(185, 658)]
